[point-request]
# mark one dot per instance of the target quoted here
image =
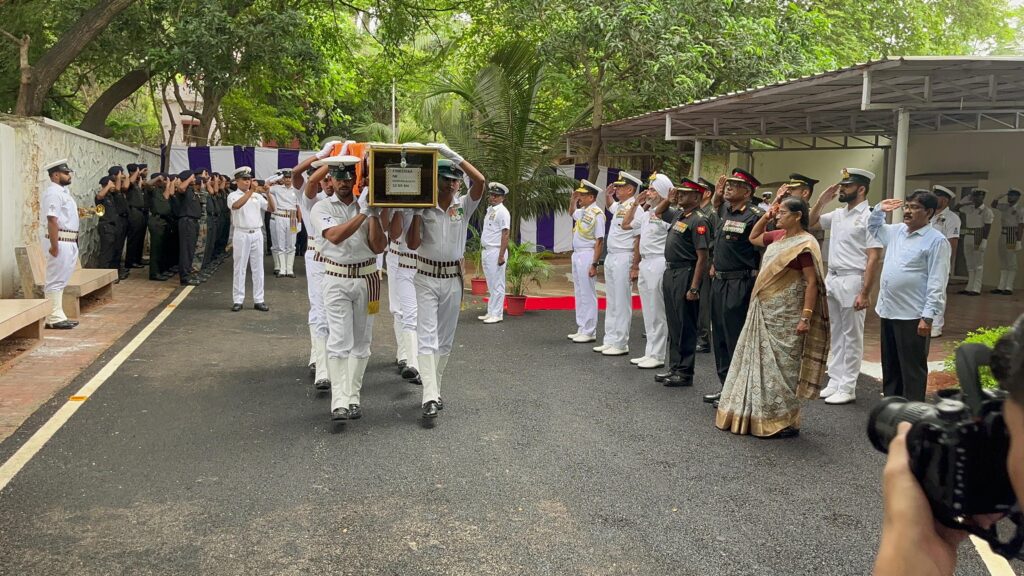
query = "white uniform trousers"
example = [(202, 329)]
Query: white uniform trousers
[(58, 271), (585, 292), (350, 328), (402, 303), (317, 318), (495, 276), (247, 250), (652, 302), (975, 259), (282, 244), (1007, 264), (438, 301), (619, 310), (847, 331)]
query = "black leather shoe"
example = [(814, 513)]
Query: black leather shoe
[(339, 414), (410, 373), (992, 291), (323, 384), (1007, 292), (401, 363), (236, 307), (662, 377), (709, 398), (715, 404), (137, 265), (290, 275), (73, 322), (703, 349), (964, 292), (123, 274), (261, 307), (787, 432), (62, 325), (677, 380), (158, 278), (277, 273), (440, 403), (354, 413), (191, 282), (430, 409), (312, 368)]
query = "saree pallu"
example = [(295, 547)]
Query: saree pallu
[(773, 367)]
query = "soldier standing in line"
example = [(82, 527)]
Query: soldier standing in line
[(187, 212), (587, 240), (977, 223), (59, 233), (136, 232), (284, 223), (1009, 244), (160, 221), (707, 210), (120, 199)]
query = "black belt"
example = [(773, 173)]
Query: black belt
[(680, 265), (736, 275)]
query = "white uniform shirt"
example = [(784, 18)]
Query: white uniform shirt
[(331, 212), (307, 208), (948, 223), (285, 197), (850, 240), (443, 232), (653, 233), (58, 202), (250, 215), (976, 218), (588, 227), (620, 240), (496, 220), (1010, 216)]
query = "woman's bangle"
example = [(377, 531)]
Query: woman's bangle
[(808, 310), (805, 319)]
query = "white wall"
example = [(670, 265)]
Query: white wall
[(27, 145)]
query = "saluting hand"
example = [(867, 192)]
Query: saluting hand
[(891, 204), (720, 185), (830, 193), (779, 194)]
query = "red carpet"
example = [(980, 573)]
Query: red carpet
[(565, 303)]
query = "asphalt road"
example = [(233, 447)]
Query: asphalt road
[(209, 452)]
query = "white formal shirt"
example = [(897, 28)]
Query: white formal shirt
[(975, 218), (496, 220), (915, 270), (307, 208), (331, 212), (653, 233), (443, 232), (250, 215), (948, 223), (619, 239), (284, 197), (1010, 216), (401, 242), (588, 227), (58, 202), (849, 241)]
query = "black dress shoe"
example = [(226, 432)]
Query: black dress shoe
[(709, 398), (191, 282), (158, 278), (236, 307), (62, 325), (290, 275), (123, 274), (1007, 292), (430, 409), (137, 265), (996, 291), (677, 380), (662, 377), (323, 384), (787, 432), (261, 307), (410, 373), (354, 413), (715, 404), (440, 403), (339, 414), (401, 363), (703, 349), (974, 293), (964, 292), (277, 273)]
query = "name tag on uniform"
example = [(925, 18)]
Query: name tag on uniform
[(587, 221), (679, 226), (734, 226)]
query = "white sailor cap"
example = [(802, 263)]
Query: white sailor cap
[(58, 166), (856, 176), (243, 172), (939, 189), (662, 184), (627, 178), (588, 187), (497, 188), (340, 167)]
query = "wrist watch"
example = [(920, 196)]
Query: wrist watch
[(693, 291), (927, 321)]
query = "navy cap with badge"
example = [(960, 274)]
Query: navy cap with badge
[(448, 170), (942, 191), (857, 176), (625, 178), (497, 188), (339, 167), (58, 166), (243, 173)]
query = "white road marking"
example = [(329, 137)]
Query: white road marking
[(996, 564), (32, 446)]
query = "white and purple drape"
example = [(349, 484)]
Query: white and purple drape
[(225, 159)]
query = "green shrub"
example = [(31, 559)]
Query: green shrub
[(986, 336)]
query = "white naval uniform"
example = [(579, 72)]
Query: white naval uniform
[(1009, 240), (948, 223), (57, 201), (974, 222), (653, 234), (496, 220), (619, 309), (588, 226), (401, 262), (281, 232), (346, 300), (317, 318), (247, 240), (443, 241), (847, 260)]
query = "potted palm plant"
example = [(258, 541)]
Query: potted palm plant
[(474, 252), (523, 266)]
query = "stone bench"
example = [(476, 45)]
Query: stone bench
[(23, 318), (84, 282)]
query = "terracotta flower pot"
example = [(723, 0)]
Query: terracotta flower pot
[(515, 305), (479, 286)]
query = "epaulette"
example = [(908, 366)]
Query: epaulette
[(756, 210)]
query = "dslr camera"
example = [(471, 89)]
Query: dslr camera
[(958, 447)]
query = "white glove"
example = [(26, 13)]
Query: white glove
[(983, 245), (326, 150), (447, 152), (364, 206), (344, 147)]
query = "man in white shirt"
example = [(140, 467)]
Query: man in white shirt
[(438, 235), (649, 268), (350, 236), (59, 233), (247, 210), (494, 243), (284, 223), (587, 239), (618, 288), (948, 223), (1009, 244), (977, 223), (853, 262)]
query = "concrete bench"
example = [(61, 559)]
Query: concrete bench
[(85, 282), (23, 318)]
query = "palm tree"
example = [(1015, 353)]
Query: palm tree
[(491, 117)]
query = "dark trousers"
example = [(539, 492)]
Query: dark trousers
[(212, 236), (188, 235), (267, 236), (120, 241), (704, 330), (136, 236), (110, 233), (904, 359), (225, 233), (158, 233), (729, 302), (682, 317)]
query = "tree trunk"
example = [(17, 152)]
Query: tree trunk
[(49, 67), (212, 97), (596, 119), (95, 119)]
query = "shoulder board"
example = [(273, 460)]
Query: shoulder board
[(756, 210)]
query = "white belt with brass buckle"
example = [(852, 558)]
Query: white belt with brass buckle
[(357, 270), (65, 236)]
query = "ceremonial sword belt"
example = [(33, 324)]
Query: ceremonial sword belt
[(1010, 234), (367, 270), (65, 235), (436, 269), (845, 272), (406, 260), (284, 213)]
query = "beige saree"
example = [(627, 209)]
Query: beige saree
[(773, 367)]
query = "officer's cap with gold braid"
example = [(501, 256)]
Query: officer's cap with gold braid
[(799, 180), (588, 187), (625, 178), (742, 176), (857, 176)]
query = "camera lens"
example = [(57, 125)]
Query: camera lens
[(888, 414)]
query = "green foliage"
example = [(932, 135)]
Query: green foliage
[(474, 251), (986, 336), (525, 266)]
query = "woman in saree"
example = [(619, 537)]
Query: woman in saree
[(782, 351)]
